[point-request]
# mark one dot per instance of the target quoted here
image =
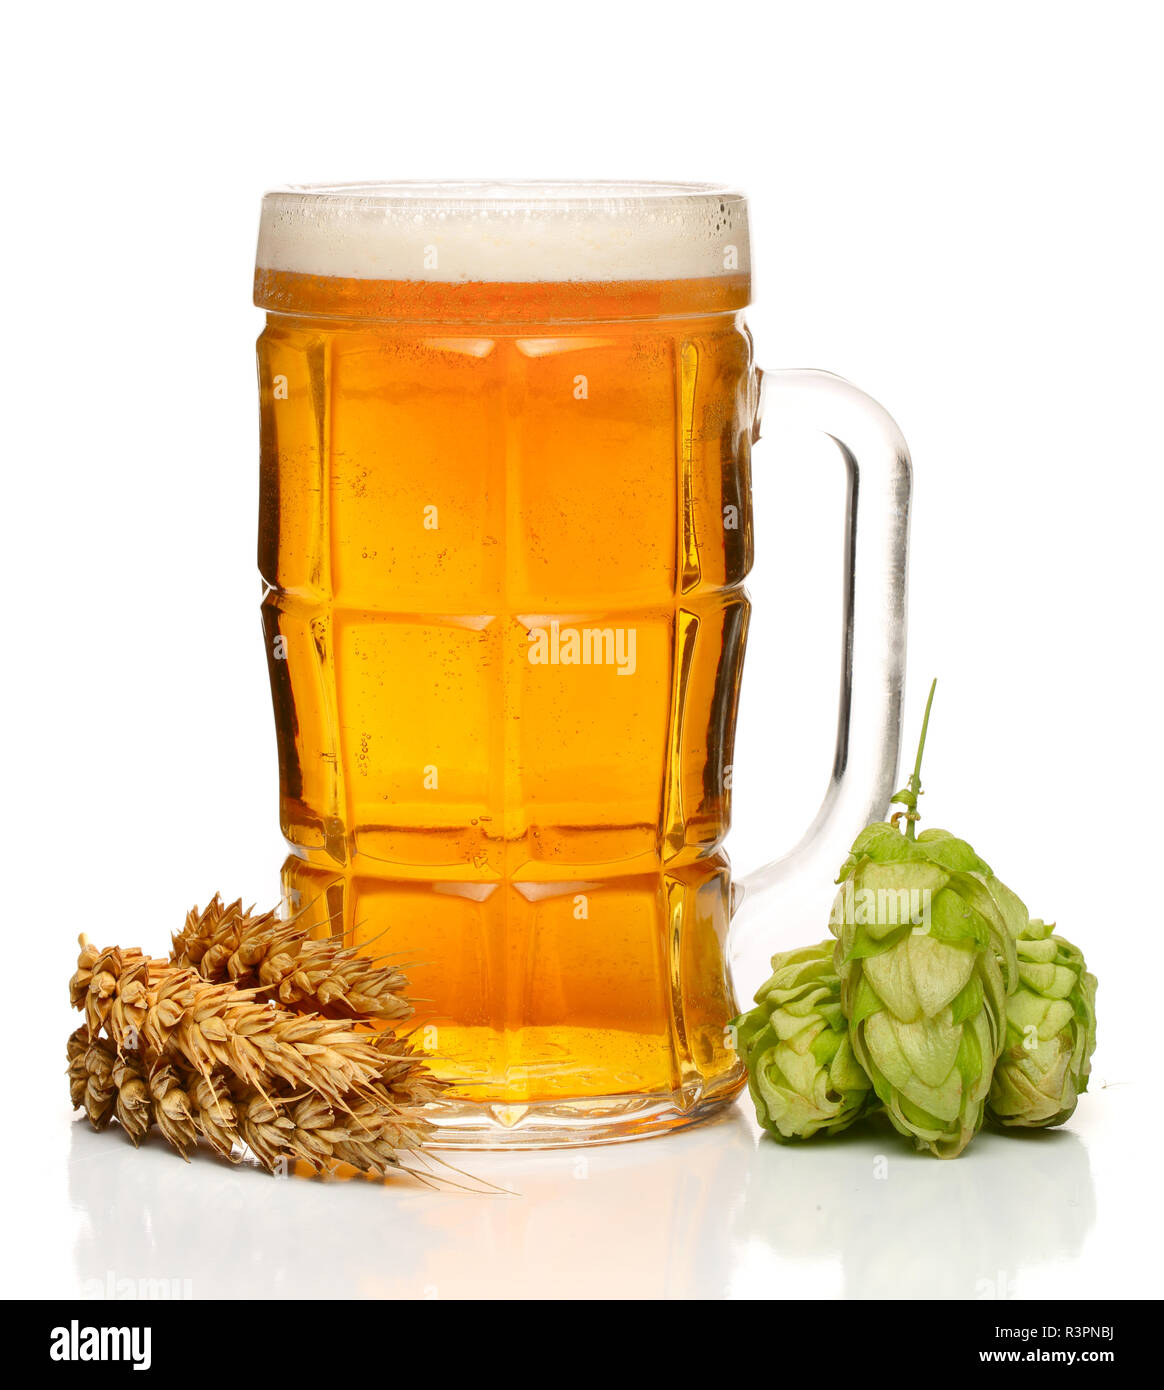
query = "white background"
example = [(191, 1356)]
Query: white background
[(956, 207)]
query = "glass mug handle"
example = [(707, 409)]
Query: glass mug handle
[(786, 903)]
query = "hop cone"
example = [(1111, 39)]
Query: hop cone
[(1050, 1033), (926, 957), (801, 1070), (925, 954)]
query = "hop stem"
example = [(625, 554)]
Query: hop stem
[(909, 794)]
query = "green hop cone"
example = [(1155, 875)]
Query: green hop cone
[(925, 953), (801, 1070), (1050, 1033)]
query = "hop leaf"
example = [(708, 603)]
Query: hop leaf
[(1050, 1033), (802, 1074)]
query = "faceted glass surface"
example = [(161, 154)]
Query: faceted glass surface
[(505, 624)]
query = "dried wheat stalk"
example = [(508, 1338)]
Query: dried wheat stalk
[(280, 960), (217, 1027), (370, 1134), (217, 1058)]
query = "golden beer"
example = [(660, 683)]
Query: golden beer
[(504, 529)]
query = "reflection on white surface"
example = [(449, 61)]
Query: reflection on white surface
[(904, 1225), (715, 1212)]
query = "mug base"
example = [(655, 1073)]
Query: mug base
[(570, 1123)]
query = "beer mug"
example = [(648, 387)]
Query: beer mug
[(504, 529)]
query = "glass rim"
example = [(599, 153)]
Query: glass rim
[(498, 194)]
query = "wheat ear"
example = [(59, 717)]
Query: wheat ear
[(371, 1135), (282, 961), (133, 999)]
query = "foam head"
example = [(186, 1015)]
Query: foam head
[(505, 232)]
